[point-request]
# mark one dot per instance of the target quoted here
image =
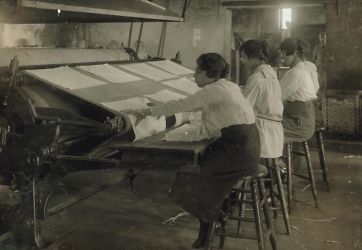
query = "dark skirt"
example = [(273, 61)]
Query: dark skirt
[(298, 121), (235, 154)]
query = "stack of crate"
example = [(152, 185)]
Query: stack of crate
[(343, 112)]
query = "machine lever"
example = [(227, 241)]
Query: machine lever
[(4, 130)]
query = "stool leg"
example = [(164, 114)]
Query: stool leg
[(322, 158), (311, 174), (222, 236), (289, 178), (256, 210), (272, 178), (281, 194), (240, 213), (242, 205), (243, 198), (268, 220)]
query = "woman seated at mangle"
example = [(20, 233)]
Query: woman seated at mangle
[(227, 116)]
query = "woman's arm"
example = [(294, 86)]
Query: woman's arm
[(290, 83), (252, 91), (205, 96)]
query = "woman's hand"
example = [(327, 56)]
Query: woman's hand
[(140, 114)]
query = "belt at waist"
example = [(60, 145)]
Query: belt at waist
[(310, 101), (269, 119)]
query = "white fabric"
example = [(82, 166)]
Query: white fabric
[(165, 95), (149, 126), (312, 69), (184, 84), (131, 103), (66, 77), (222, 105), (182, 118), (262, 90), (148, 71), (299, 83), (172, 67), (110, 73)]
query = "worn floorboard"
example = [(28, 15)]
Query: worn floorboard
[(116, 219)]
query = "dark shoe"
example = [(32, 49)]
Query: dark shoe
[(223, 217), (227, 206), (199, 244), (283, 173), (201, 240)]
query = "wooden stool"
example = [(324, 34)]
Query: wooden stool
[(275, 178), (322, 159), (258, 200), (310, 177)]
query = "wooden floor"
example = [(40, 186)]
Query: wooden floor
[(116, 219)]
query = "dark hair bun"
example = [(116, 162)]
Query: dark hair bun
[(265, 48), (256, 49), (225, 71), (214, 65), (302, 46), (292, 45)]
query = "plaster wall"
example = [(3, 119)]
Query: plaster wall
[(207, 28), (25, 35)]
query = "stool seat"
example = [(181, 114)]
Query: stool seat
[(261, 172), (320, 129), (299, 140), (256, 197)]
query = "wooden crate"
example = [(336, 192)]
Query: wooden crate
[(343, 112)]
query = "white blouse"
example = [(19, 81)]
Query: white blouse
[(222, 105), (263, 92), (312, 69), (300, 83)]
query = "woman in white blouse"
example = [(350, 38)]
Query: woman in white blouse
[(227, 116), (262, 90), (299, 88)]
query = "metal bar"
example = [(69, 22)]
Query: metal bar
[(30, 67), (266, 4), (237, 65), (164, 26), (139, 37), (80, 163), (70, 122), (130, 35), (161, 41), (60, 207), (36, 223), (163, 33), (114, 9)]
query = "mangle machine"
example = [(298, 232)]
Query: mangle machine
[(61, 110)]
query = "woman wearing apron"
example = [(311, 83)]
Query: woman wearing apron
[(299, 88), (262, 90), (227, 116)]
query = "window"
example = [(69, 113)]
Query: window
[(285, 17)]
